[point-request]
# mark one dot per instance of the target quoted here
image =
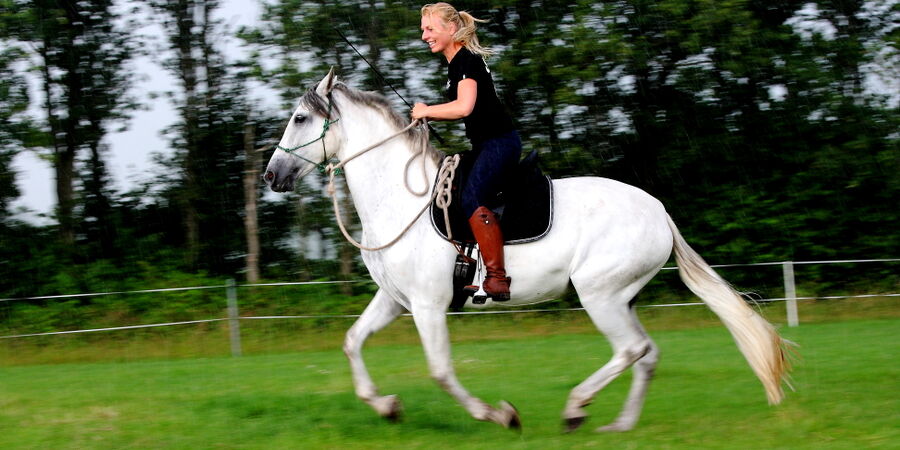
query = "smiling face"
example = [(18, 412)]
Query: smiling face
[(439, 35)]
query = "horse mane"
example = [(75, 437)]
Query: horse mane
[(415, 136)]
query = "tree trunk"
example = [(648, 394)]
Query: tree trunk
[(96, 203), (63, 159), (64, 165), (187, 68), (251, 192)]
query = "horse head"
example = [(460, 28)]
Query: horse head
[(309, 138)]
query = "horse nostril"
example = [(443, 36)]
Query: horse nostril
[(269, 176)]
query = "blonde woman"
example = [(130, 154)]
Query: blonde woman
[(495, 142)]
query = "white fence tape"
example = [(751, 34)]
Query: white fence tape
[(353, 316), (779, 263), (307, 283), (460, 313), (193, 288), (128, 327)]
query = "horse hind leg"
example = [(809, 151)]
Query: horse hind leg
[(642, 374), (380, 312), (631, 346)]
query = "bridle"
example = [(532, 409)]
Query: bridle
[(325, 126), (441, 194)]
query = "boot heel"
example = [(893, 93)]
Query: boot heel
[(502, 297), (497, 288)]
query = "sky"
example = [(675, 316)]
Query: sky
[(130, 156)]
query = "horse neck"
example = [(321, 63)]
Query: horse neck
[(376, 178)]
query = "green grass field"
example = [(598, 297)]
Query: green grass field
[(704, 395)]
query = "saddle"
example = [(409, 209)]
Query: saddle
[(525, 209), (524, 205)]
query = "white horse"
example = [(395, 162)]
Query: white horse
[(608, 238)]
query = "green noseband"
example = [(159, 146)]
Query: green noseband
[(325, 127)]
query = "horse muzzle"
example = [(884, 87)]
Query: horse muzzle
[(280, 178)]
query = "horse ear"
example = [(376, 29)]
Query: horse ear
[(327, 84)]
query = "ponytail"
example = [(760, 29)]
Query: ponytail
[(466, 26)]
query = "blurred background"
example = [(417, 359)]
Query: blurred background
[(132, 134)]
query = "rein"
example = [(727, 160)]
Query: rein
[(441, 195)]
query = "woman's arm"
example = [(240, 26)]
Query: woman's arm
[(466, 94)]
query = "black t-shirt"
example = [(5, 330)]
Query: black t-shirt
[(488, 119)]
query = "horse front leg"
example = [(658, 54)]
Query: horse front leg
[(431, 321), (381, 311)]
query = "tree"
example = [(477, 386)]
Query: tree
[(379, 30), (744, 122), (14, 125), (180, 20), (92, 54), (82, 55), (210, 136)]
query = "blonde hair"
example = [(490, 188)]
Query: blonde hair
[(466, 25)]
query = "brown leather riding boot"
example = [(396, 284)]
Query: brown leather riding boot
[(486, 229)]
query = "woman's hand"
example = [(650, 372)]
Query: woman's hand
[(419, 111), (467, 92)]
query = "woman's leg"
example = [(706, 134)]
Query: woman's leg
[(496, 161)]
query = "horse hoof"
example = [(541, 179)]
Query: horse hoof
[(511, 416), (573, 423), (389, 407)]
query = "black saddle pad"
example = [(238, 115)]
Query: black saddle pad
[(525, 205)]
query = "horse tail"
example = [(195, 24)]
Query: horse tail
[(756, 338)]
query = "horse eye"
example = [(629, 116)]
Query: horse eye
[(299, 118)]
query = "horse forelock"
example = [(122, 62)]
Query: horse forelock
[(379, 103), (314, 103)]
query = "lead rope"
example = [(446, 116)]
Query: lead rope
[(441, 195)]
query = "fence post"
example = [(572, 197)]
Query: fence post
[(790, 293), (234, 325)]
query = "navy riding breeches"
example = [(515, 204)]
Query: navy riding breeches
[(496, 159)]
